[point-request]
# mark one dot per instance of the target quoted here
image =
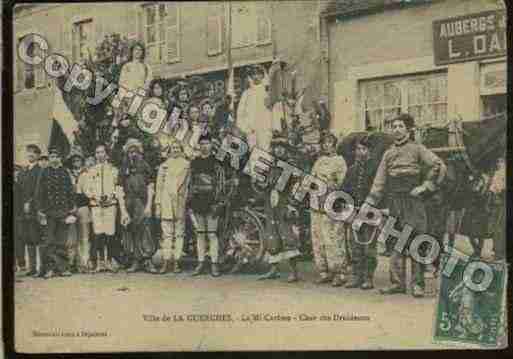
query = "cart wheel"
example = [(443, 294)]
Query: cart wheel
[(245, 244)]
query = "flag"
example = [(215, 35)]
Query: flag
[(64, 125)]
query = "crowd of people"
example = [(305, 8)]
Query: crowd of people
[(86, 211)]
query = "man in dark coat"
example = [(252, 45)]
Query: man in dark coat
[(29, 183), (56, 208), (19, 244)]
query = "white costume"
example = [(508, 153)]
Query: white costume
[(254, 118), (102, 181), (135, 75)]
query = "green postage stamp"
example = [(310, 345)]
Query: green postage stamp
[(466, 315)]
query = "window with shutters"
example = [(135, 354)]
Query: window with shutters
[(214, 35), (161, 32), (422, 96), (251, 23), (82, 40)]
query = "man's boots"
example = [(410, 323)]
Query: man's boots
[(135, 267), (355, 281), (215, 270), (177, 269), (293, 277), (273, 273), (368, 282), (200, 269)]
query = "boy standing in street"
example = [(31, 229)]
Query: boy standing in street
[(205, 198), (363, 249), (170, 197)]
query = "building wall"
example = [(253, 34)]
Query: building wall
[(295, 25), (393, 43)]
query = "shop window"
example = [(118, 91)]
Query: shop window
[(423, 96), (161, 32), (82, 40)]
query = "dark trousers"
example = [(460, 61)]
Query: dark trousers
[(31, 237), (363, 252), (19, 242), (100, 243), (55, 253)]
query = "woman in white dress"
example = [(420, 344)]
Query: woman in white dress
[(135, 77)]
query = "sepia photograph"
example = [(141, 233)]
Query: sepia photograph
[(257, 175)]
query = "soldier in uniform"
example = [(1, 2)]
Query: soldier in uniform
[(407, 170), (363, 250), (170, 198), (327, 242), (283, 217), (205, 204), (57, 209), (104, 193), (137, 180), (29, 183)]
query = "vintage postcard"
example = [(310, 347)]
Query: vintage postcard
[(259, 175)]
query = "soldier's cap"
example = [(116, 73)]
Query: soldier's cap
[(75, 152), (34, 148), (205, 101), (364, 141), (133, 142), (205, 137), (256, 69), (280, 140), (54, 151)]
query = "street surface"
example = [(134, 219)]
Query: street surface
[(119, 312)]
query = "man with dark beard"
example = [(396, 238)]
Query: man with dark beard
[(137, 180)]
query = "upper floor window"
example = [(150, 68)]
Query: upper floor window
[(161, 32), (422, 96), (82, 39), (251, 23), (29, 76)]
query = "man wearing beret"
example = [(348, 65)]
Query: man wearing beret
[(56, 208)]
